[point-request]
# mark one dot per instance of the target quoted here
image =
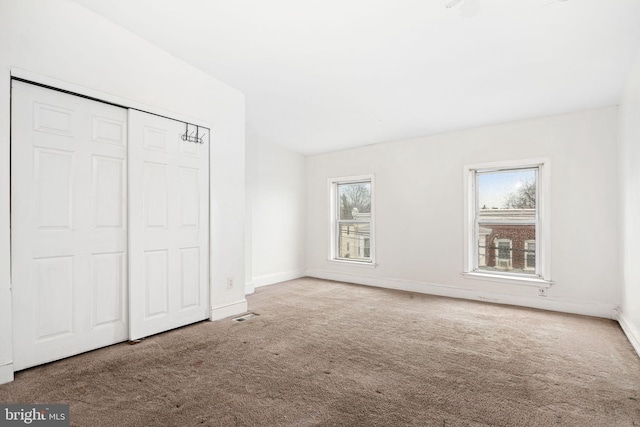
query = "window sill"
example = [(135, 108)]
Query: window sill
[(371, 264), (515, 280)]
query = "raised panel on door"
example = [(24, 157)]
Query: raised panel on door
[(53, 282), (108, 280), (189, 278), (108, 191), (68, 224), (53, 172), (189, 202), (168, 220), (156, 284), (155, 195)]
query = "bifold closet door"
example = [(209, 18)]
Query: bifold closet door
[(169, 226), (68, 224)]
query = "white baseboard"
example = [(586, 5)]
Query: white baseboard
[(6, 373), (632, 332), (228, 310), (249, 288), (271, 279), (544, 303)]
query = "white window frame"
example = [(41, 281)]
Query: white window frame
[(498, 241), (526, 253), (542, 276), (334, 212)]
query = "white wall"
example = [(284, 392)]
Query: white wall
[(629, 151), (62, 41), (419, 210), (276, 203)]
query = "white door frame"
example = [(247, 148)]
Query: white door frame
[(6, 333)]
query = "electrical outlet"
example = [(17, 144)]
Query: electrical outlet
[(229, 282), (542, 292)]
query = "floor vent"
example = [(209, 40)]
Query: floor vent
[(245, 317)]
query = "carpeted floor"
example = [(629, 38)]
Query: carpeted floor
[(322, 353)]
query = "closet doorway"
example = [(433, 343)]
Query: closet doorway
[(109, 224)]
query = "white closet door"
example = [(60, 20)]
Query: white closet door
[(68, 224), (169, 226)]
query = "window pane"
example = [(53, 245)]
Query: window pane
[(355, 200), (507, 195), (507, 247), (354, 241)]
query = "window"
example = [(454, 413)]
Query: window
[(352, 219), (506, 230), (530, 255), (503, 254)]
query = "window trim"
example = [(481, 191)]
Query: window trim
[(334, 216), (543, 246)]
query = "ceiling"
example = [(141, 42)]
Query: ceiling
[(326, 75)]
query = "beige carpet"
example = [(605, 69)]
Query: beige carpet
[(323, 353)]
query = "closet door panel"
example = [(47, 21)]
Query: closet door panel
[(168, 221), (68, 228)]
